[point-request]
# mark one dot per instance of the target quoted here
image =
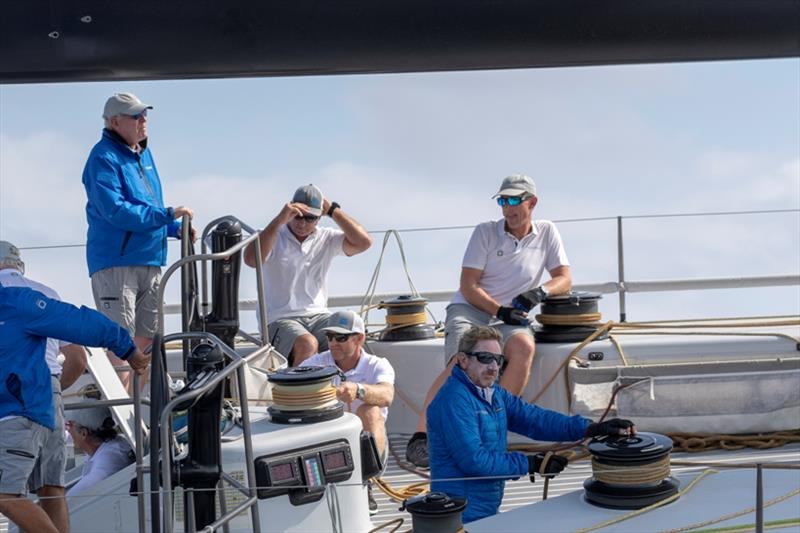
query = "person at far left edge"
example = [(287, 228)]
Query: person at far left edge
[(126, 243)]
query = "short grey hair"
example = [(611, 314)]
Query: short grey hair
[(475, 334)]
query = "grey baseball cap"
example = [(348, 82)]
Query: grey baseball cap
[(345, 322), (517, 185), (310, 196), (92, 418), (9, 255), (124, 104)]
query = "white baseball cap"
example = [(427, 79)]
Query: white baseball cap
[(517, 185), (124, 104), (9, 255)]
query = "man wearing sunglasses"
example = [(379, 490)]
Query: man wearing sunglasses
[(468, 421), (502, 278), (126, 244), (368, 387), (297, 254)]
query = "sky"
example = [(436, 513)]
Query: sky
[(409, 151)]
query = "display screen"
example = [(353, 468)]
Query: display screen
[(313, 474), (281, 472), (335, 460)]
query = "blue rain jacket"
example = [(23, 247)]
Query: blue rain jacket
[(27, 319), (128, 223), (467, 439)]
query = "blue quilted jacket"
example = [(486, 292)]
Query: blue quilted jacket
[(467, 439)]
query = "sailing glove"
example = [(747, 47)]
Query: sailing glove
[(529, 299), (549, 468), (511, 316), (614, 426)]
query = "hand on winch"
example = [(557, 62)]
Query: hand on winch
[(512, 317), (529, 299), (612, 427)]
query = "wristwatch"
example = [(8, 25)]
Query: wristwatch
[(334, 206), (360, 391)]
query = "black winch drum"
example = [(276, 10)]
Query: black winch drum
[(399, 308), (637, 453), (300, 378), (435, 512), (573, 303)]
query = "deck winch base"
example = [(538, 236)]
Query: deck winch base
[(306, 394)]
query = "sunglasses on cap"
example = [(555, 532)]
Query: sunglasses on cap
[(307, 218), (513, 201), (137, 116), (338, 337), (487, 357)]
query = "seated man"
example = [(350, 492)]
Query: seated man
[(368, 389), (468, 422), (93, 431), (501, 280), (296, 256)]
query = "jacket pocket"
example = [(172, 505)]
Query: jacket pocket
[(125, 240)]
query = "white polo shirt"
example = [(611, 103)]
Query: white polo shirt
[(296, 274), (10, 277), (111, 457), (512, 266), (369, 370)]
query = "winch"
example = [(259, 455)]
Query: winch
[(304, 395), (435, 512), (406, 319), (570, 317), (630, 472)]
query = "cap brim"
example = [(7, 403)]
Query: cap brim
[(337, 329), (316, 211), (510, 192)]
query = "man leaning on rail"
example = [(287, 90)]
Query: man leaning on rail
[(126, 243), (468, 422), (47, 479), (27, 319), (501, 281), (296, 255)]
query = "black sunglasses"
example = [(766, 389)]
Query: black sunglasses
[(307, 218), (338, 337), (487, 357)]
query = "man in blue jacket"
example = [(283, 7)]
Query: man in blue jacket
[(27, 319), (126, 244), (468, 421)]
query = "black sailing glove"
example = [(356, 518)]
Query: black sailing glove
[(614, 426), (529, 299), (550, 468), (512, 317)]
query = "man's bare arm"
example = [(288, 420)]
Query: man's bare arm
[(75, 361)]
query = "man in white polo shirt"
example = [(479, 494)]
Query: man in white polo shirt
[(501, 280), (47, 479), (297, 255), (368, 387)]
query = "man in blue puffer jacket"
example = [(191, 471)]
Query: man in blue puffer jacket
[(126, 243), (27, 319), (468, 421)]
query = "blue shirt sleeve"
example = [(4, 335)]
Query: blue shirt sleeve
[(46, 317), (541, 424), (105, 191)]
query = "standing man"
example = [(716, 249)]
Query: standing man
[(468, 422), (368, 389), (27, 320), (47, 479), (126, 244), (501, 280), (297, 255)]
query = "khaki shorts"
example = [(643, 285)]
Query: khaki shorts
[(129, 297), (461, 317), (21, 443), (284, 331), (49, 469)]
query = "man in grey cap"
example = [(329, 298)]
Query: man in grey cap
[(296, 255), (501, 281), (47, 479), (126, 243), (368, 387)]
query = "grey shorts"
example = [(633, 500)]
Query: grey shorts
[(461, 317), (284, 331), (129, 297), (21, 443), (49, 469)]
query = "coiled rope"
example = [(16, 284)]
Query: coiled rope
[(631, 476), (585, 319), (302, 397)]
